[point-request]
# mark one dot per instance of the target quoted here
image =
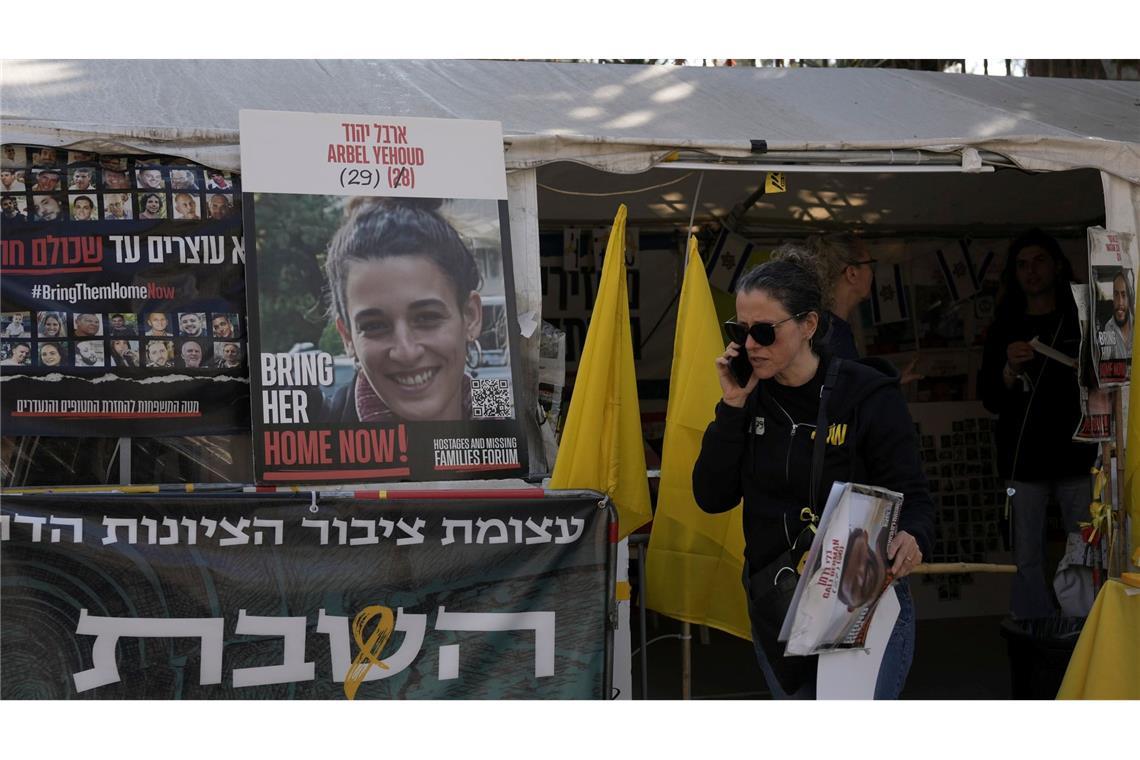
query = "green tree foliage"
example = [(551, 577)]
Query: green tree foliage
[(292, 234)]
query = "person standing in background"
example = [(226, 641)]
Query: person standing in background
[(1038, 404)]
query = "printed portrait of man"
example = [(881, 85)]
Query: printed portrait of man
[(150, 179), (83, 209), (46, 181), (10, 182), (183, 179), (191, 354), (160, 353), (222, 326), (227, 355), (87, 325), (117, 206), (89, 353), (116, 180), (186, 206), (49, 208), (10, 209), (864, 568), (122, 325), (192, 324), (157, 325), (219, 206), (20, 355), (82, 179), (45, 157), (1118, 326)]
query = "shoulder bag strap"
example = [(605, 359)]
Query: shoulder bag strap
[(819, 451)]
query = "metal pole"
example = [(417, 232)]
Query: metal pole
[(641, 547), (686, 660), (124, 461)]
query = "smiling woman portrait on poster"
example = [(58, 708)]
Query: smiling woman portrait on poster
[(404, 294)]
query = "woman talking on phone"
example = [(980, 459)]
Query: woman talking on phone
[(761, 445)]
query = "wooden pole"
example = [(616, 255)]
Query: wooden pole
[(938, 568)]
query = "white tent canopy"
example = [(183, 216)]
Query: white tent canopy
[(611, 117), (618, 118)]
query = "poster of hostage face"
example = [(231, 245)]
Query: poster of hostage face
[(123, 296), (382, 317), (1112, 289)]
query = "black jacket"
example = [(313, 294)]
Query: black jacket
[(771, 468), (1043, 420)]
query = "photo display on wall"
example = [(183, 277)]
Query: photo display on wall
[(383, 329), (123, 297)]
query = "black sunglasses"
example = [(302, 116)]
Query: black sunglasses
[(872, 262), (764, 333)]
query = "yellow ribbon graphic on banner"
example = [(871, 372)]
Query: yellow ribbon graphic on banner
[(371, 649)]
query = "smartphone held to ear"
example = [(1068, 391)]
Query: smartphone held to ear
[(741, 368)]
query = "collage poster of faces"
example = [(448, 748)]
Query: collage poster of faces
[(1112, 291), (118, 271), (396, 357)]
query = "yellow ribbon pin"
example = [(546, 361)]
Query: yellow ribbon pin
[(1100, 513)]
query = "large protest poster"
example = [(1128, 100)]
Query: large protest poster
[(382, 314), (1112, 293), (123, 296), (266, 597)]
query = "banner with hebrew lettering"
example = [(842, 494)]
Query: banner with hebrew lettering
[(265, 597), (123, 296), (382, 310)]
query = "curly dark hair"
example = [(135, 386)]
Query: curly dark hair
[(379, 228)]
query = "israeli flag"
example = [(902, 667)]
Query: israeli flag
[(729, 258), (571, 237), (958, 271), (889, 301)]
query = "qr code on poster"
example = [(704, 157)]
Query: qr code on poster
[(492, 398)]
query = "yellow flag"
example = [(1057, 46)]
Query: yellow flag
[(602, 446), (695, 559), (1131, 490)]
